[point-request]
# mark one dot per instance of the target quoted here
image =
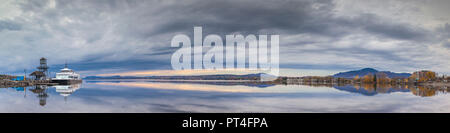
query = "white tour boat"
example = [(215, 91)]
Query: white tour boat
[(67, 76)]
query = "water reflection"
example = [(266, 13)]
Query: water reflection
[(428, 91), (243, 87), (66, 90), (374, 89), (42, 91), (150, 96)]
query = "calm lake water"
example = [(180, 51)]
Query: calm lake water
[(146, 96)]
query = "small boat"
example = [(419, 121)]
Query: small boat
[(66, 77)]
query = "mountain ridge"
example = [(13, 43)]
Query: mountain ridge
[(256, 76), (365, 71)]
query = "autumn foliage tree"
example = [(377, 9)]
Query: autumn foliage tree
[(357, 79), (423, 76), (368, 78), (382, 78)]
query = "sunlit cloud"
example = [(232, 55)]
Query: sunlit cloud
[(183, 72), (283, 72)]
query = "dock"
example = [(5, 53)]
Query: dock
[(39, 77), (10, 83), (6, 84)]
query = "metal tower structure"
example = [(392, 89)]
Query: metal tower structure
[(43, 66)]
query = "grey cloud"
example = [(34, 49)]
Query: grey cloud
[(251, 17), (375, 24), (290, 17), (224, 17), (6, 25), (444, 35), (119, 30)]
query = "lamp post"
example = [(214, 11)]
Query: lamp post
[(24, 74)]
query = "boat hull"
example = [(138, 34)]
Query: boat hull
[(67, 81)]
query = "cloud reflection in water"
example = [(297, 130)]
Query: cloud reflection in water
[(187, 97)]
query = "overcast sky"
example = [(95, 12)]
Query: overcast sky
[(110, 36)]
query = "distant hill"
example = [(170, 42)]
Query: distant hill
[(194, 77), (365, 71)]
